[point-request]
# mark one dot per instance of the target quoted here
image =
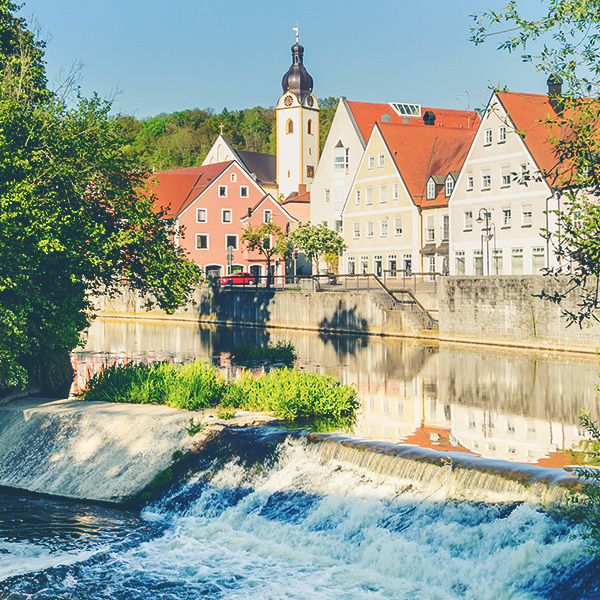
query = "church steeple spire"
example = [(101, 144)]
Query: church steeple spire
[(297, 80)]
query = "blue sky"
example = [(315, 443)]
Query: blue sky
[(157, 56)]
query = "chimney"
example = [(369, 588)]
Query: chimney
[(301, 189), (555, 97), (249, 212), (429, 117)]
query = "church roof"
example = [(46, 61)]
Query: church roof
[(366, 114), (262, 166), (175, 190)]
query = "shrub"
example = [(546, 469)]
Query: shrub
[(282, 352)]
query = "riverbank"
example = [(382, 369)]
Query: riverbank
[(499, 311)]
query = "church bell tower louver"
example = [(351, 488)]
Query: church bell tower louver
[(297, 127)]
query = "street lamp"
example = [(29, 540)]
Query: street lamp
[(485, 215)]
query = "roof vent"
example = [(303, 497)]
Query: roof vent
[(429, 117), (406, 120), (385, 118)]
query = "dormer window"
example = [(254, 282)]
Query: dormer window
[(431, 189), (449, 186)]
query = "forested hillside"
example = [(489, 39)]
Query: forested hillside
[(183, 138)]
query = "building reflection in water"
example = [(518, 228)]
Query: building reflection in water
[(508, 405)]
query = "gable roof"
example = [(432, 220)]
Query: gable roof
[(262, 166), (175, 190), (366, 114), (421, 152)]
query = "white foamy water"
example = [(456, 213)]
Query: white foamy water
[(292, 526)]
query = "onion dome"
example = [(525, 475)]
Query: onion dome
[(297, 80)]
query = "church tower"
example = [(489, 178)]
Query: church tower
[(297, 127)]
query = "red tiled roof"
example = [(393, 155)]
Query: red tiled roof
[(175, 190), (417, 150), (366, 114)]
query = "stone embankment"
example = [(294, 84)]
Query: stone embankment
[(96, 451)]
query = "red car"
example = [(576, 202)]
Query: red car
[(239, 278)]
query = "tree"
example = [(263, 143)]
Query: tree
[(267, 239), (317, 241), (75, 218), (563, 41)]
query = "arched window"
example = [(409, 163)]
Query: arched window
[(233, 176), (289, 126), (310, 127)]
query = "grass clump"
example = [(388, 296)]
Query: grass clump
[(293, 394), (281, 352), (287, 393)]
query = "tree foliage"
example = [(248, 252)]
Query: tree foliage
[(563, 41), (74, 218), (318, 241), (268, 240)]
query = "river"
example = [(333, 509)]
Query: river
[(265, 516)]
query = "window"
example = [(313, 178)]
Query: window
[(378, 265), (395, 191), (233, 177), (338, 225), (469, 181), (497, 262), (351, 265), (243, 191), (226, 215), (327, 196), (538, 260), (430, 189), (459, 262), (517, 261), (527, 216), (309, 127), (200, 215), (486, 180), (505, 176), (222, 191), (231, 241), (369, 198), (468, 220), (364, 264), (267, 216), (371, 163), (407, 262), (383, 227), (397, 225), (341, 158), (488, 137), (383, 194), (289, 126), (369, 232), (501, 134), (356, 230), (506, 217), (201, 241), (392, 265), (381, 160), (430, 228), (449, 186), (357, 197), (477, 262), (445, 227)]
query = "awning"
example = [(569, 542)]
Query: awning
[(428, 249), (442, 248)]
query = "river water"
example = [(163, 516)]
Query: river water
[(264, 516)]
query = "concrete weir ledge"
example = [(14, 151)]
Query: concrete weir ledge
[(110, 453)]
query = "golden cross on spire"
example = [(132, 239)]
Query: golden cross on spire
[(221, 127), (296, 30)]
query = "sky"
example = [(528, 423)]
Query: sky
[(160, 56)]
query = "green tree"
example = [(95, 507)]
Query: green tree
[(328, 107), (563, 41), (318, 241), (269, 240), (75, 219)]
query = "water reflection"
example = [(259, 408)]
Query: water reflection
[(517, 406)]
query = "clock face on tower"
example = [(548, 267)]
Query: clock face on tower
[(310, 101), (288, 100)]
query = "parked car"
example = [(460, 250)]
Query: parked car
[(239, 278)]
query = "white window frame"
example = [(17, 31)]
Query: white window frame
[(233, 177), (357, 197), (486, 180), (526, 215), (396, 191), (371, 161), (502, 134), (356, 230), (199, 219), (470, 182), (383, 227), (369, 196), (398, 226), (224, 213), (488, 137), (202, 235), (327, 195), (449, 186), (431, 189), (237, 241), (267, 215), (383, 196), (505, 181), (506, 217), (246, 189), (222, 191), (468, 220), (381, 160), (369, 229)]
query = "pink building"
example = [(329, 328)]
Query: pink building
[(212, 204)]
